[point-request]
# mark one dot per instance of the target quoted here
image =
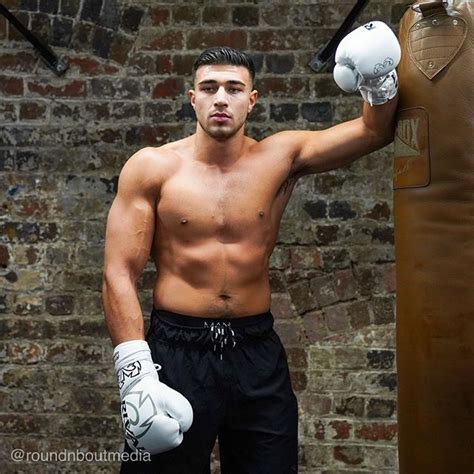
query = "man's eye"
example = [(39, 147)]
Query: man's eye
[(234, 90)]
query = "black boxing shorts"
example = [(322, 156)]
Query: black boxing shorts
[(234, 372)]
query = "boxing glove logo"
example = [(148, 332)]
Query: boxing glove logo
[(136, 407), (129, 371), (379, 67)]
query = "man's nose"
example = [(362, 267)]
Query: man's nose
[(221, 96)]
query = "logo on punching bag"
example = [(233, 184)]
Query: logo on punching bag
[(412, 157), (406, 137)]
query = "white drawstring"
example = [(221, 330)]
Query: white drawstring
[(221, 333)]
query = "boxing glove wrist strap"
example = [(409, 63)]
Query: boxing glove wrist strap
[(132, 360), (379, 90)]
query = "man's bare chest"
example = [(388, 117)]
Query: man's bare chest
[(232, 203)]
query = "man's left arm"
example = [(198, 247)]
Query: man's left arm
[(365, 61), (324, 150)]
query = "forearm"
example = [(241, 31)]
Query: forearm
[(123, 314), (380, 120)]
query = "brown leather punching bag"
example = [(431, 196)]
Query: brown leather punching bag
[(434, 239)]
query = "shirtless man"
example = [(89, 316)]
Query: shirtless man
[(207, 208)]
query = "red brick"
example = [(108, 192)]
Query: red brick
[(271, 40), (141, 64), (342, 429), (97, 111), (23, 423), (281, 306), (165, 40), (25, 352), (31, 255), (69, 89), (183, 63), (297, 357), (32, 208), (389, 278), (337, 318), (4, 256), (215, 15), (301, 295), (380, 211), (299, 380), (92, 67), (315, 404), (315, 326), (186, 14), (201, 39), (275, 15), (18, 62), (351, 455), (359, 316), (290, 333), (11, 85), (159, 16), (121, 47), (171, 87), (59, 305), (305, 257), (163, 64), (32, 111), (60, 352), (109, 135), (282, 86), (377, 431), (345, 284), (151, 136)]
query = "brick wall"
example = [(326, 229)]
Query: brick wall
[(63, 142)]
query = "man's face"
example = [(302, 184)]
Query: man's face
[(222, 98)]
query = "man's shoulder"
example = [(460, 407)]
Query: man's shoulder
[(148, 169), (151, 160), (153, 155)]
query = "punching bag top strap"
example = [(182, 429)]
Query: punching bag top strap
[(430, 7)]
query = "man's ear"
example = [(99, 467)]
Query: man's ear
[(192, 97), (252, 100)]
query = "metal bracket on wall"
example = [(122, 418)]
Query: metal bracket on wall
[(325, 54), (56, 64)]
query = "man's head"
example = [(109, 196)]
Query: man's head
[(223, 93)]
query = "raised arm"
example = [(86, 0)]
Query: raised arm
[(324, 150), (365, 61), (128, 241)]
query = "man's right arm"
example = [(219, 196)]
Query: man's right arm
[(158, 425), (128, 241)]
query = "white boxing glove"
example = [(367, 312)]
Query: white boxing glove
[(366, 60), (154, 415)]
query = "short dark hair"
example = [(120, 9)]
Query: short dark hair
[(225, 55)]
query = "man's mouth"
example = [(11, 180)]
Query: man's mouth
[(220, 117)]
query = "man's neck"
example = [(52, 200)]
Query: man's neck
[(220, 153)]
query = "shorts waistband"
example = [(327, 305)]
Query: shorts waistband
[(187, 321), (218, 333)]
